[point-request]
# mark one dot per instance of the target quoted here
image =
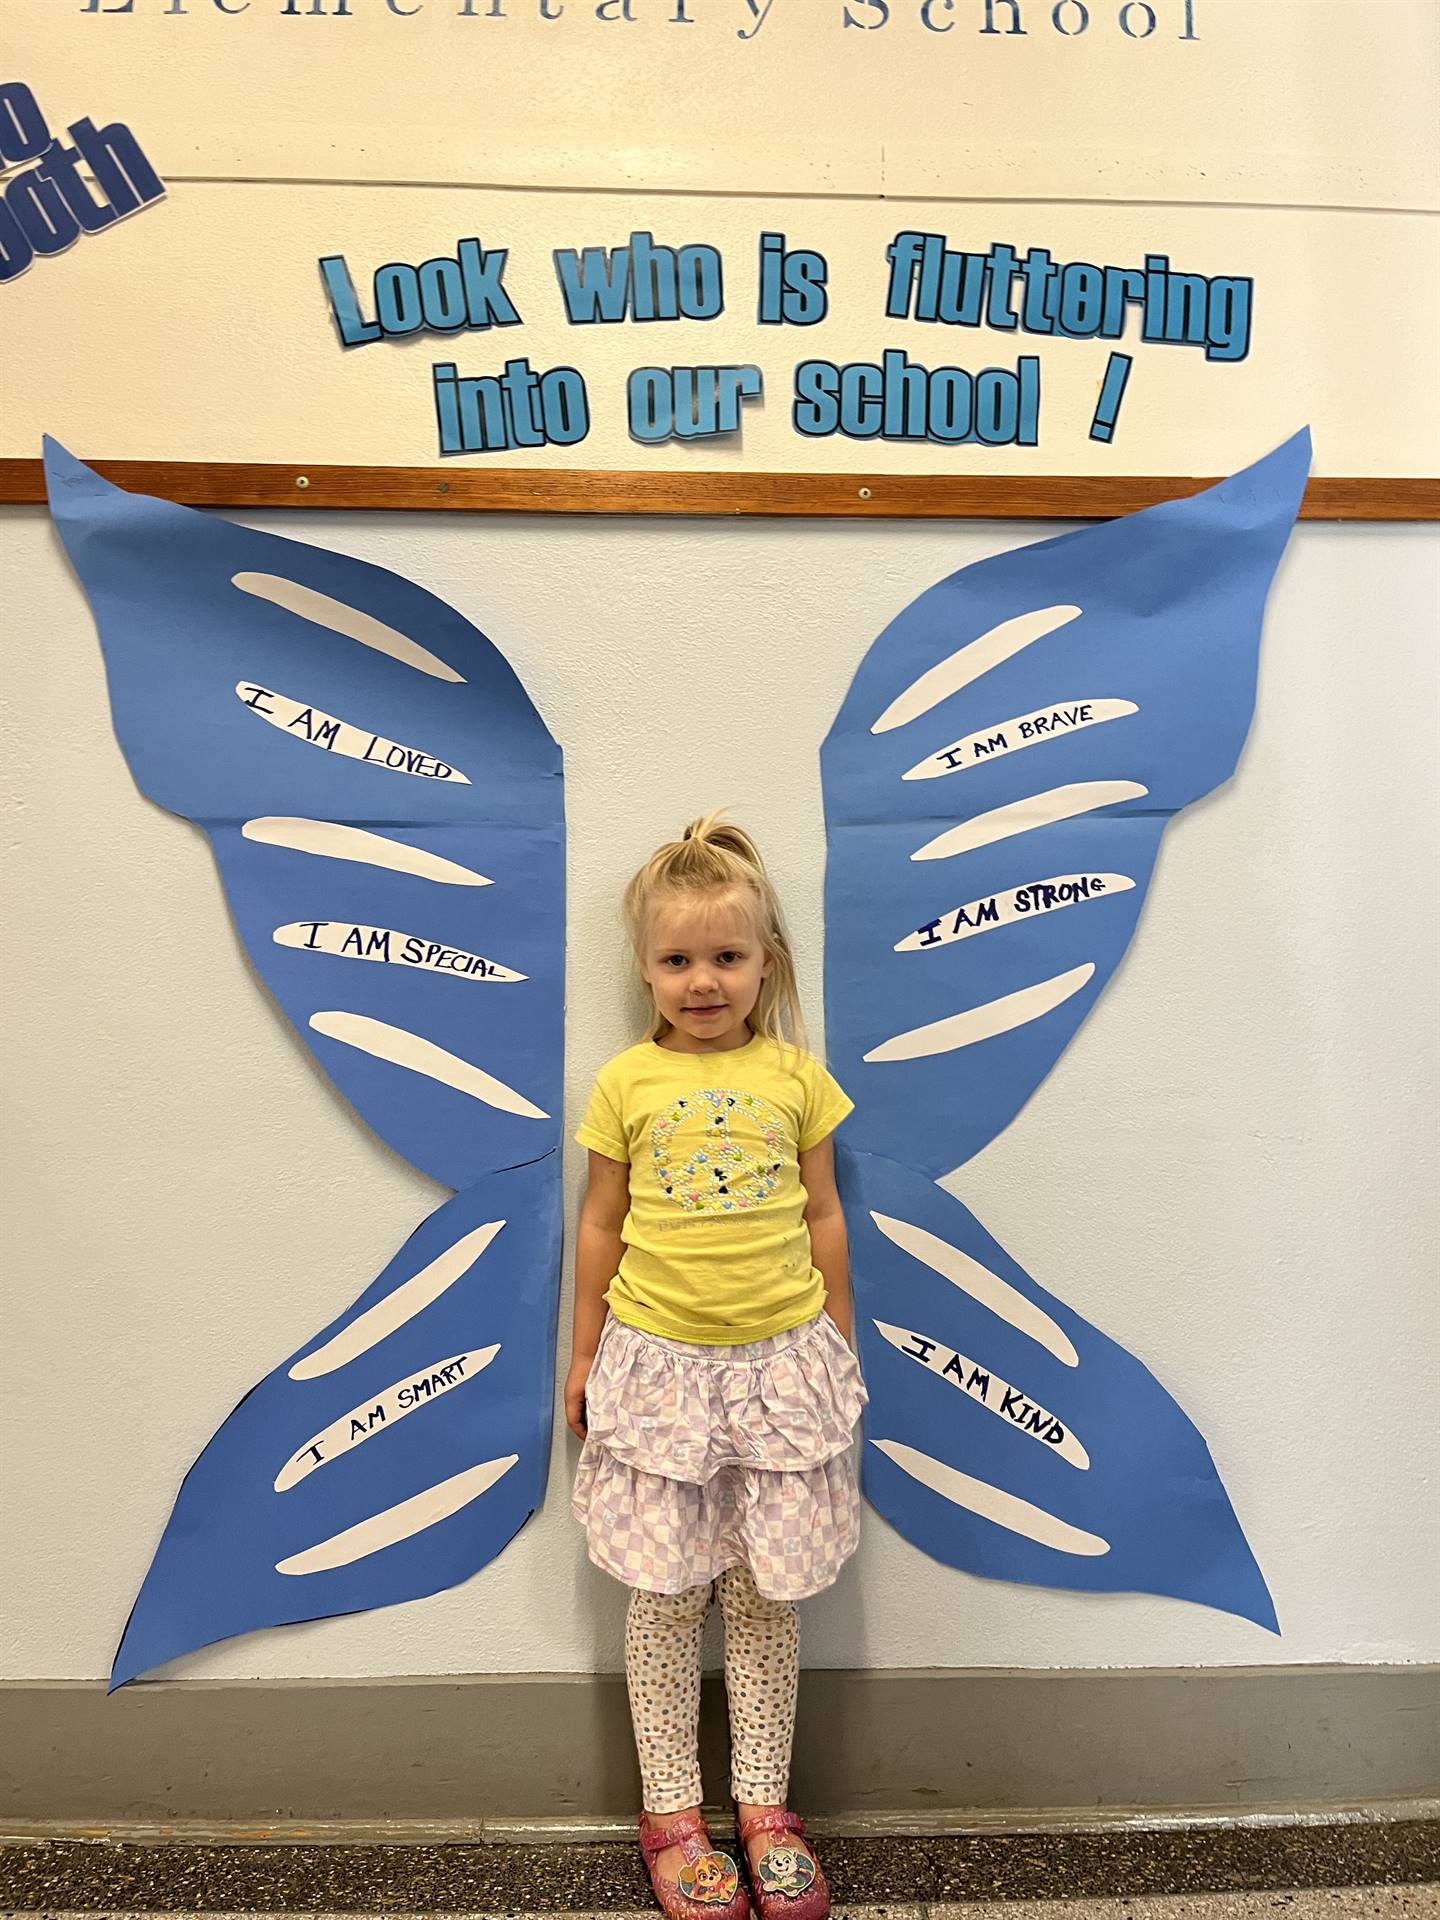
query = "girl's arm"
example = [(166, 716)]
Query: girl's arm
[(598, 1247), (828, 1245)]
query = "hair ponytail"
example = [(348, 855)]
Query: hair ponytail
[(713, 855)]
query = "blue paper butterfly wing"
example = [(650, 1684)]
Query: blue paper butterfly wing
[(941, 1109), (1052, 708), (1160, 612), (216, 1572), (1121, 1489), (179, 636), (481, 1019), (312, 712)]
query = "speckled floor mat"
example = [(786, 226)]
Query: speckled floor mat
[(1130, 1865)]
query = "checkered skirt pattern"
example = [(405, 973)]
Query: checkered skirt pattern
[(699, 1458)]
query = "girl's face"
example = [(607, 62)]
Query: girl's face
[(704, 964)]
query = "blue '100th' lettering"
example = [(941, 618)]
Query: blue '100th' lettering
[(46, 209)]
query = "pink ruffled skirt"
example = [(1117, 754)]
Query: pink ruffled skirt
[(700, 1458)]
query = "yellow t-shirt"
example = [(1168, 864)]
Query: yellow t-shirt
[(716, 1247)]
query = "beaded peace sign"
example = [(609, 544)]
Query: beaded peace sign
[(737, 1143)]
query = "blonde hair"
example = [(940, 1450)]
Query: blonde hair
[(714, 856)]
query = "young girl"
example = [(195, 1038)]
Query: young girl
[(716, 1401)]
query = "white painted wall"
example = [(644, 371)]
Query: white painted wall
[(1231, 1171)]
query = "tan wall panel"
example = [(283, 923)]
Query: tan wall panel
[(198, 329), (1323, 102)]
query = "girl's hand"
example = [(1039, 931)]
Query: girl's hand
[(575, 1394)]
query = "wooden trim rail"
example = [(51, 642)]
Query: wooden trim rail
[(857, 496)]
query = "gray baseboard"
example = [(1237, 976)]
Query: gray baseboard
[(923, 1746)]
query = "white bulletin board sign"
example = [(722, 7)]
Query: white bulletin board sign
[(987, 241)]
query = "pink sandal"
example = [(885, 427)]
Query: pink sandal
[(788, 1883), (709, 1886)]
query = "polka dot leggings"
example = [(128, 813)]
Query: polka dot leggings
[(762, 1672)]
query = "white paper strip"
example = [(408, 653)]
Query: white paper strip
[(341, 618), (349, 941), (323, 730), (1030, 902), (1036, 810), (1061, 717), (981, 1284), (382, 1410), (400, 1522), (333, 841), (405, 1049), (970, 661), (966, 1029), (997, 1396), (412, 1296), (993, 1503)]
